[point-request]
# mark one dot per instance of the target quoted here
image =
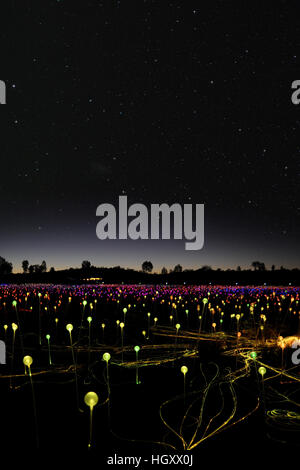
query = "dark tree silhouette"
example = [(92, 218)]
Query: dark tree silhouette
[(273, 267), (5, 266), (164, 271), (147, 266), (25, 265), (178, 268), (258, 266), (37, 268), (238, 268), (85, 265), (43, 267), (206, 268)]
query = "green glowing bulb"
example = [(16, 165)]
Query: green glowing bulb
[(27, 361), (69, 327), (205, 301), (91, 399), (177, 326), (48, 337), (84, 303), (262, 371), (14, 303), (137, 348), (106, 357), (184, 370), (125, 310), (89, 319)]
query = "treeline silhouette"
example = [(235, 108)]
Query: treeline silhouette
[(257, 274)]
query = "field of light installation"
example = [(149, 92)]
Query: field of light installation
[(171, 368)]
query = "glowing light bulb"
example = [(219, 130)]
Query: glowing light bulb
[(177, 326), (89, 319), (27, 361), (122, 325), (69, 327), (14, 326), (253, 355), (262, 371), (48, 337), (137, 380), (124, 310), (106, 357), (184, 370), (205, 301), (14, 303), (84, 303), (91, 399)]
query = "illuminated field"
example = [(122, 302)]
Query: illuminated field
[(172, 367)]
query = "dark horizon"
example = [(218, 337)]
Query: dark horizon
[(257, 266)]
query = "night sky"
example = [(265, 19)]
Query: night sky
[(186, 102)]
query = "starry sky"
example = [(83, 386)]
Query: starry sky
[(186, 102)]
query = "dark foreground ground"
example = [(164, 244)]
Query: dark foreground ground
[(130, 424)]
